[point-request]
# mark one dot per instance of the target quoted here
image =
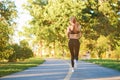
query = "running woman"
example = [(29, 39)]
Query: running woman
[(74, 33)]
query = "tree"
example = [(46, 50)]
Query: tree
[(7, 15), (97, 18), (101, 19), (50, 21)]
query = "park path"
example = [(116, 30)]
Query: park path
[(57, 69)]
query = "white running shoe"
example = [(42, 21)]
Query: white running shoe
[(75, 63), (72, 69)]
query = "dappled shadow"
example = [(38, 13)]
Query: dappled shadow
[(89, 71), (52, 70)]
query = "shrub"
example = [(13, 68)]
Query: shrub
[(20, 53)]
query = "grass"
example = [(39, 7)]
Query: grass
[(114, 64), (7, 68)]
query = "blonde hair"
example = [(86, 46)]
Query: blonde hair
[(73, 19), (75, 27)]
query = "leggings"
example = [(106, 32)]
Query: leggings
[(74, 46)]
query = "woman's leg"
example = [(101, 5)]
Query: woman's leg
[(77, 46), (71, 48)]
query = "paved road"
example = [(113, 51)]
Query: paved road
[(56, 69)]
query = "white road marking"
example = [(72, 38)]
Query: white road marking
[(68, 76)]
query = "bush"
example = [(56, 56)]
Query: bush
[(26, 53), (20, 53), (117, 51), (6, 52)]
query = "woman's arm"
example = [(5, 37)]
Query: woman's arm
[(80, 33), (68, 32)]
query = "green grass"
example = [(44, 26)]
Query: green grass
[(114, 64), (7, 68)]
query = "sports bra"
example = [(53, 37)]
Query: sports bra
[(72, 32)]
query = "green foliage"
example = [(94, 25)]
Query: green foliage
[(6, 52), (99, 20), (24, 43), (117, 51), (102, 45), (4, 35), (51, 20), (20, 53), (114, 64), (7, 10), (7, 15), (7, 68)]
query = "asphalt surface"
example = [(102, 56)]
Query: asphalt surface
[(57, 69)]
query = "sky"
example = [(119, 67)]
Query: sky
[(22, 20), (23, 15)]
